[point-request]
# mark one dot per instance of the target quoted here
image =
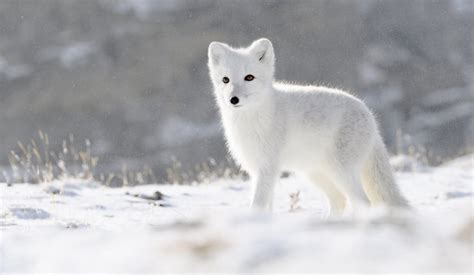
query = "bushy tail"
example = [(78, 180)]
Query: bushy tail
[(378, 180)]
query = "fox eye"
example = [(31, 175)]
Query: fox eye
[(225, 79), (249, 77)]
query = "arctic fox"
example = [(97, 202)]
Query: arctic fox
[(325, 134)]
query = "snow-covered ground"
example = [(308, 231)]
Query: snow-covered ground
[(84, 227)]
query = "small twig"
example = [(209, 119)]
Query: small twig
[(294, 200)]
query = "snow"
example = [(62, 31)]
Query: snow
[(463, 6), (142, 9), (11, 71), (74, 55), (430, 120), (74, 226)]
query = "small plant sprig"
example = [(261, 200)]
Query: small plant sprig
[(294, 201)]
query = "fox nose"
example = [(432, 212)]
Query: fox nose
[(234, 100)]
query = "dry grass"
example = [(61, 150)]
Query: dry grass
[(207, 171), (35, 162), (423, 155), (127, 177)]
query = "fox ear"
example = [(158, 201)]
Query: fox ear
[(263, 51), (215, 52)]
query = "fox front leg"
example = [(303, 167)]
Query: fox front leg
[(264, 185)]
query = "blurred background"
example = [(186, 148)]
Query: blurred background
[(131, 75)]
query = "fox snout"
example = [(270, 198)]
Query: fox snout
[(234, 100), (236, 97)]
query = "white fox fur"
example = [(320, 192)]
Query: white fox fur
[(327, 135)]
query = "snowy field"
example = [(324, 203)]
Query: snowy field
[(75, 226)]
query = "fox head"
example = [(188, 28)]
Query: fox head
[(242, 77)]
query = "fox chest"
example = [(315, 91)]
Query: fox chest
[(248, 143)]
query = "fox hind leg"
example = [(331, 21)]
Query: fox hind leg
[(344, 161), (337, 199), (348, 180)]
